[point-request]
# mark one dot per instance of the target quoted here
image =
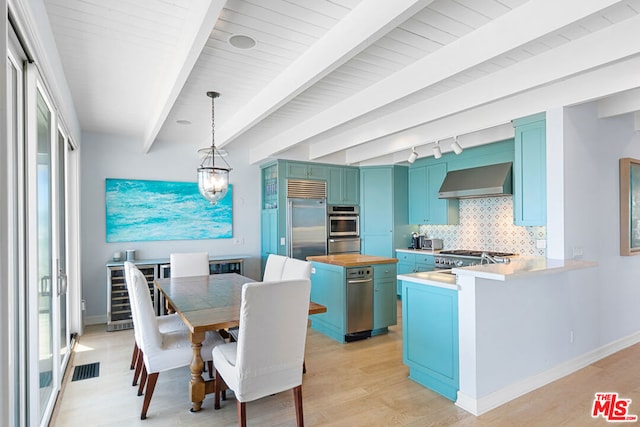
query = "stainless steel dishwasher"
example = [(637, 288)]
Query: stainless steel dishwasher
[(359, 303)]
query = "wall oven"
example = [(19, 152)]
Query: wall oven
[(344, 221)]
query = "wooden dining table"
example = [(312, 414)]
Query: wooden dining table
[(207, 303)]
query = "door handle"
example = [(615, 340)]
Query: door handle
[(62, 282)]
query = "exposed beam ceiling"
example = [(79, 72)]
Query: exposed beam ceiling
[(341, 81)]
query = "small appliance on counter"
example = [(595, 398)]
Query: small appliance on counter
[(418, 241)]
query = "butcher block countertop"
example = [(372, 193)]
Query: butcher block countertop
[(351, 260)]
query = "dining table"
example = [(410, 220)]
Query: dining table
[(207, 303)]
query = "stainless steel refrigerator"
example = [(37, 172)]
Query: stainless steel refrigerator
[(306, 227)]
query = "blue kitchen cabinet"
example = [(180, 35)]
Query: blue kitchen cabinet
[(529, 171), (430, 337), (412, 263), (343, 186), (385, 310), (328, 288), (269, 227), (384, 206), (306, 170), (424, 205)]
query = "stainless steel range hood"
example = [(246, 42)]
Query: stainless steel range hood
[(483, 181)]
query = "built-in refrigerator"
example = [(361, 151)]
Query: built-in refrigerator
[(306, 218)]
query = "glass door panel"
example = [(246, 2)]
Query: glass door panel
[(61, 277), (44, 255)]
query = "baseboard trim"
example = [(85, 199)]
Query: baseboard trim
[(515, 390)]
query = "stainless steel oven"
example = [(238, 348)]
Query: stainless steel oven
[(344, 221), (343, 245)]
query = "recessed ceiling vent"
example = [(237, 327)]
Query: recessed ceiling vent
[(242, 41)]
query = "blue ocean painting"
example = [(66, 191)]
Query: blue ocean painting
[(139, 210)]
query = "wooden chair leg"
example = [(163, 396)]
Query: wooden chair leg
[(134, 356), (139, 366), (151, 385), (297, 397), (210, 368), (143, 380), (242, 414), (217, 386)]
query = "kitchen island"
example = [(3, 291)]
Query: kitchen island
[(329, 287), (514, 327)]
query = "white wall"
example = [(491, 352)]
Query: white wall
[(109, 156), (592, 149)]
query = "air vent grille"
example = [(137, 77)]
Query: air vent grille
[(306, 189)]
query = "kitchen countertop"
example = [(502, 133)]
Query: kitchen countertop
[(351, 260), (438, 278), (523, 266), (419, 251)]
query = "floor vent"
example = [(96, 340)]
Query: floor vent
[(83, 372)]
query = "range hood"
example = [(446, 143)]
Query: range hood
[(483, 181)]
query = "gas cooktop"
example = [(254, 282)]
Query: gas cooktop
[(474, 253), (466, 257)]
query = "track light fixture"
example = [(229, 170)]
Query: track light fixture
[(413, 156), (436, 150), (456, 147)]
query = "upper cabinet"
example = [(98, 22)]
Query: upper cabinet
[(343, 186), (383, 210), (306, 170), (529, 171), (424, 205)]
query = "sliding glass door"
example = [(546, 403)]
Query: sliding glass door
[(44, 237)]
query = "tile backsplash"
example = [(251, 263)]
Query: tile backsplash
[(487, 224)]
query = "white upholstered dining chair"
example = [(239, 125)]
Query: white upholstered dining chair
[(268, 356), (296, 269), (161, 351), (189, 264), (166, 323), (273, 267)]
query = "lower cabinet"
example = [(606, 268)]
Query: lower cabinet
[(328, 288), (430, 337), (411, 262), (385, 311)]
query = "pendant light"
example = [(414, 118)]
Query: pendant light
[(213, 181)]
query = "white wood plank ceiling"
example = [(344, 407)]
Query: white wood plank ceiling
[(341, 81)]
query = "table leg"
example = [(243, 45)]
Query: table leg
[(197, 384)]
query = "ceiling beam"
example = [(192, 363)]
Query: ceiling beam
[(524, 24), (363, 26), (621, 103), (588, 86), (202, 18), (595, 50)]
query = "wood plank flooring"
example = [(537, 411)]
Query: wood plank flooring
[(357, 384)]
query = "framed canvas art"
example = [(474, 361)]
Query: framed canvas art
[(629, 206), (141, 210)]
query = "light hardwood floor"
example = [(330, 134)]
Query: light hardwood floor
[(357, 384)]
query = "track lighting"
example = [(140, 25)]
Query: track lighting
[(456, 147), (413, 156), (436, 150)]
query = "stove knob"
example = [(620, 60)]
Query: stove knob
[(459, 263)]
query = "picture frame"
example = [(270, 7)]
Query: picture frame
[(629, 206)]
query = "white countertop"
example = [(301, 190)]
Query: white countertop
[(523, 267), (438, 278), (419, 251)]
